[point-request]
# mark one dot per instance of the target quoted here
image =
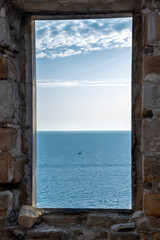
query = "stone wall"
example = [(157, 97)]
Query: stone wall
[(17, 162), (15, 131)]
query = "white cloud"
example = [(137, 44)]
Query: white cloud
[(84, 83), (62, 38)]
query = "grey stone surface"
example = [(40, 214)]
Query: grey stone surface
[(151, 136), (6, 100), (5, 38), (137, 214), (6, 167), (6, 203), (29, 215), (2, 12), (123, 227), (151, 95), (75, 5), (151, 169)]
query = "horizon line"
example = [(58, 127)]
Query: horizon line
[(113, 130)]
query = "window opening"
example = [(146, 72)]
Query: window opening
[(83, 70)]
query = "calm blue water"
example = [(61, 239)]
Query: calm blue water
[(99, 177)]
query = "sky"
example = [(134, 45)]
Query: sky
[(83, 74)]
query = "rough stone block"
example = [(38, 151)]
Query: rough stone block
[(6, 203), (137, 131), (47, 233), (5, 38), (2, 12), (7, 138), (144, 236), (151, 95), (156, 236), (123, 227), (151, 4), (137, 214), (151, 204), (7, 68), (84, 6), (6, 168), (151, 136), (19, 168), (98, 221), (6, 100), (139, 195), (151, 36), (151, 64), (29, 215), (151, 169), (158, 27), (151, 26), (137, 155), (124, 236), (145, 29), (148, 224), (18, 232), (15, 29), (101, 235), (103, 220), (17, 194), (58, 221), (137, 106)]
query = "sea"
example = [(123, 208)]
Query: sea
[(84, 169)]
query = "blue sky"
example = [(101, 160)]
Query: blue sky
[(84, 74)]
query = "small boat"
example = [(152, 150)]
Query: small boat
[(80, 152)]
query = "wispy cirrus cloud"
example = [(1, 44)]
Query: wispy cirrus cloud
[(62, 38), (85, 83)]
